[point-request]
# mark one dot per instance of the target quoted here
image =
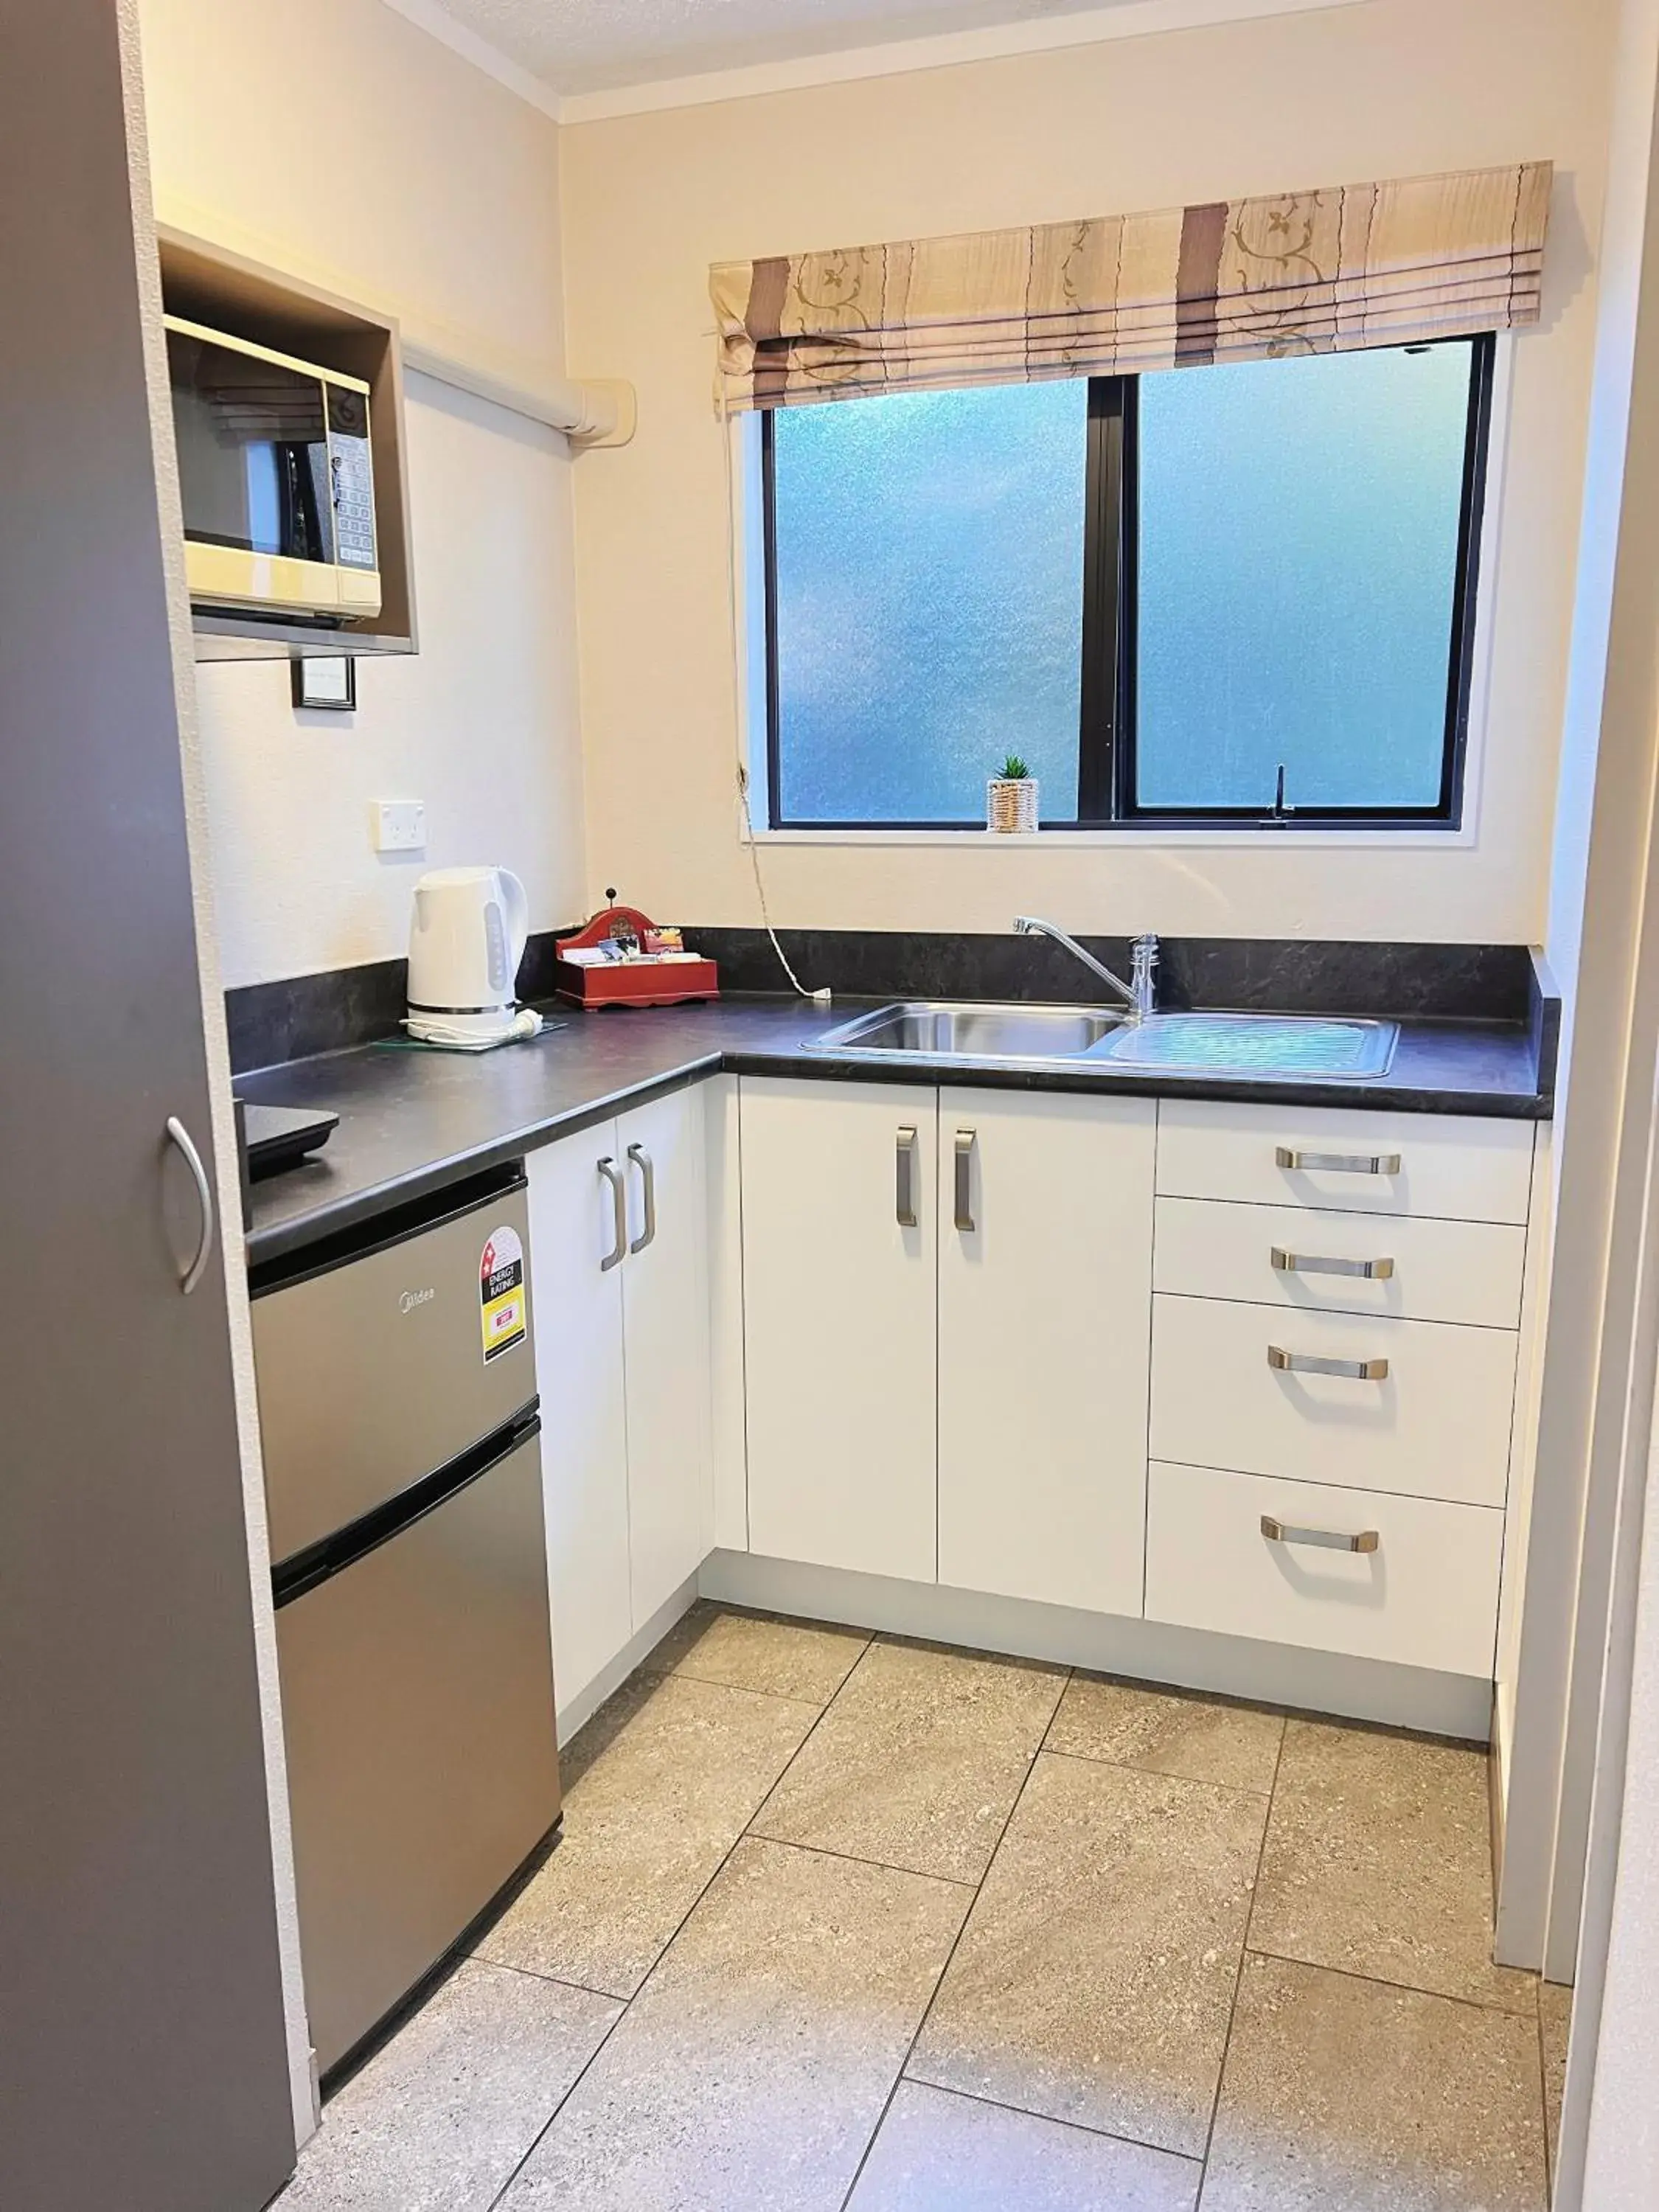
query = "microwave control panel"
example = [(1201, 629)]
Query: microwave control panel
[(353, 473)]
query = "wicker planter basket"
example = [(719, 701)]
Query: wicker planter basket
[(1011, 805)]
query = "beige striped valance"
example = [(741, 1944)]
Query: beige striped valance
[(1232, 280)]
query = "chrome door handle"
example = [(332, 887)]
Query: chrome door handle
[(1306, 1263), (1309, 1363), (1328, 1539), (1376, 1163), (641, 1160), (198, 1268), (613, 1174), (964, 1181), (904, 1191)]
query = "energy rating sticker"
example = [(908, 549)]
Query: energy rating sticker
[(502, 1294)]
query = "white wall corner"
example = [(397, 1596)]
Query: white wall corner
[(438, 23)]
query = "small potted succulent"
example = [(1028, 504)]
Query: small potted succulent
[(1011, 799)]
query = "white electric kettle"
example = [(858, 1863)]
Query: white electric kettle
[(465, 942)]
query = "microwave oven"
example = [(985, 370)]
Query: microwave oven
[(275, 478)]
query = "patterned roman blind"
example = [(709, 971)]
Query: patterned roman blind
[(1322, 271)]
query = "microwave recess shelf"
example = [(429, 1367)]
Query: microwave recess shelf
[(211, 284)]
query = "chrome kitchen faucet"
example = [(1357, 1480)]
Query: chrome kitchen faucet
[(1141, 991)]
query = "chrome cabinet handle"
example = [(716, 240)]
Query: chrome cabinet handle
[(1328, 1539), (198, 1268), (1309, 1363), (964, 1180), (1306, 1263), (1376, 1163), (613, 1174), (641, 1160), (904, 1193)]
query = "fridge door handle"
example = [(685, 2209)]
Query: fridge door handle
[(186, 1144)]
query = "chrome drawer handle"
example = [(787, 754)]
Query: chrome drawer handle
[(619, 1253), (1377, 1163), (1307, 1263), (1328, 1539), (904, 1194), (1309, 1363), (964, 1181), (641, 1160)]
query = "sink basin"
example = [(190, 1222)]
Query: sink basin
[(1286, 1048), (930, 1030), (1289, 1047)]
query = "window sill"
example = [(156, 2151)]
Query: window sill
[(1421, 838)]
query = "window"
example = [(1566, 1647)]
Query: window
[(1201, 597)]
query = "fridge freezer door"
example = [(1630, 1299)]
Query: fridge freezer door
[(417, 1700), (373, 1374)]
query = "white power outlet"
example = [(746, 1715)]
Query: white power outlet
[(399, 825)]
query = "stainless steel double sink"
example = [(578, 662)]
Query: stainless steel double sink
[(1308, 1048)]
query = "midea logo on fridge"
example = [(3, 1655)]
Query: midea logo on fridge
[(408, 1300)]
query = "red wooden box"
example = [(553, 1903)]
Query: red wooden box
[(645, 982)]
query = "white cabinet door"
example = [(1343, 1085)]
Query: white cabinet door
[(1423, 1594), (1419, 1407), (729, 1485), (1045, 1290), (839, 1241), (577, 1305), (664, 1293), (1350, 1159), (1406, 1266)]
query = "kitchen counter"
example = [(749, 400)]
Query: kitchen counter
[(412, 1120)]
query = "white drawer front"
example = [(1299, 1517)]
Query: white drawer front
[(1287, 1256), (1426, 1596), (1435, 1426), (1449, 1165)]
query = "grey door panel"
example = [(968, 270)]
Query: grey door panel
[(417, 1698), (140, 2005)]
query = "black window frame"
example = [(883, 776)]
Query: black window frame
[(1107, 722)]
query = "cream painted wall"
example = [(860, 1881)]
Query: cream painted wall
[(338, 125), (441, 189), (1393, 87), (481, 724)]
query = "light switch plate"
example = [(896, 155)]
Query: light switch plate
[(399, 825)]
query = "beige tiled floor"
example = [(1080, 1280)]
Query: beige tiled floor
[(844, 1924)]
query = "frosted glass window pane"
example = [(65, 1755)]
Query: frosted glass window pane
[(1298, 555), (929, 564)]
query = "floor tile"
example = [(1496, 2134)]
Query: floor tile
[(748, 1652), (1554, 2018), (1343, 2095), (937, 2152), (918, 1761), (1095, 1979), (753, 2066), (1168, 1732), (437, 2122), (668, 1776), (1379, 1862)]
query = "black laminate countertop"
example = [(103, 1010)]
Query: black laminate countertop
[(412, 1120)]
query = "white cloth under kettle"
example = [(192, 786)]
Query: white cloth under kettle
[(466, 938)]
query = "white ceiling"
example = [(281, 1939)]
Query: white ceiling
[(573, 46)]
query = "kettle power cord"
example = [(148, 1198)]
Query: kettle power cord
[(821, 997)]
